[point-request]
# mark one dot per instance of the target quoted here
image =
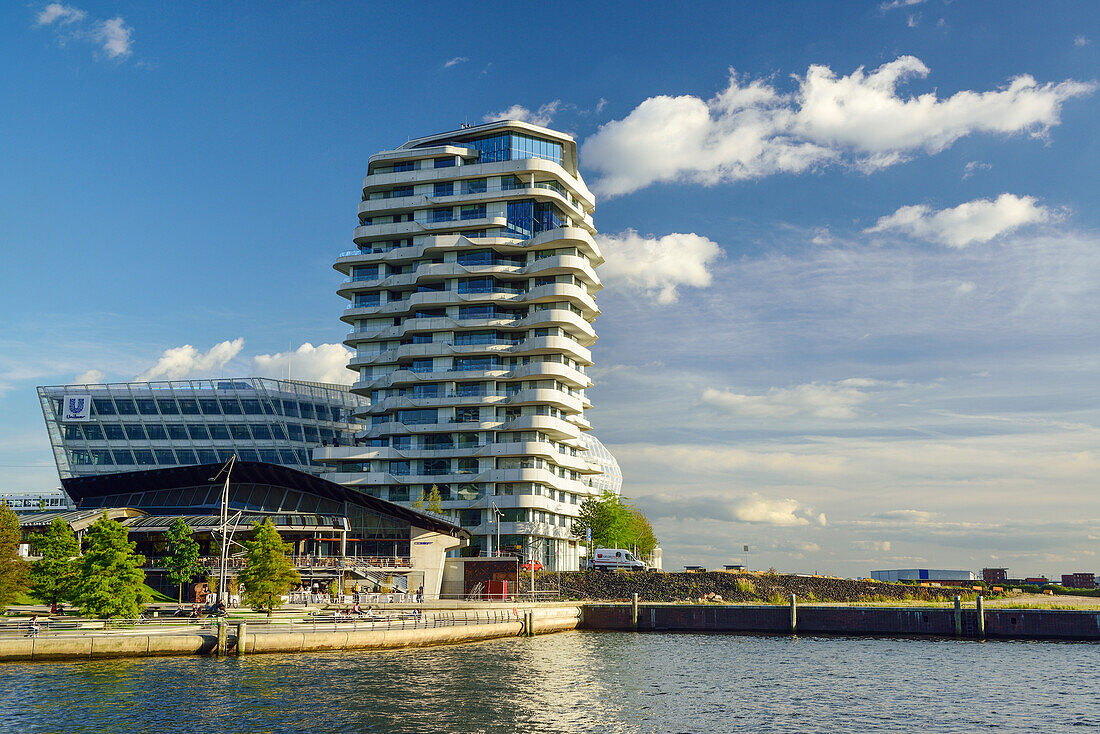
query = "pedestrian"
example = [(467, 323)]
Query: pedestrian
[(420, 595), (35, 626)]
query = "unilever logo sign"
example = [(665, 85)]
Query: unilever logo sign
[(76, 408)]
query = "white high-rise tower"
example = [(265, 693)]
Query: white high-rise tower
[(471, 310)]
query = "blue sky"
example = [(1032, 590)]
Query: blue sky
[(852, 247)]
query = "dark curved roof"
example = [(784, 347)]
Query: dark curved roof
[(249, 472)]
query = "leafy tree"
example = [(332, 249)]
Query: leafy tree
[(643, 537), (418, 503), (182, 561), (13, 569), (435, 501), (111, 582), (268, 572), (614, 523), (608, 517), (53, 576)]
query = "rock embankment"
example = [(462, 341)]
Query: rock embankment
[(716, 586)]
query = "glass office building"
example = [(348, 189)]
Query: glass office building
[(470, 306), (134, 426)]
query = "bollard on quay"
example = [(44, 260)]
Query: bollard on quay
[(223, 634)]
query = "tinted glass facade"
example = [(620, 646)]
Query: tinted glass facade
[(145, 425)]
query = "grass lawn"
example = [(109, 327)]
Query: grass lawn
[(25, 599)]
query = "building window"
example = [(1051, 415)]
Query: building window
[(135, 432), (447, 162), (197, 432), (442, 214), (219, 432), (113, 431), (403, 166), (473, 212), (443, 189), (475, 186)]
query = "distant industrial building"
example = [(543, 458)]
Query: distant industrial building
[(1079, 580), (929, 575), (995, 575)]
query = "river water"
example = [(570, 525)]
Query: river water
[(578, 681)]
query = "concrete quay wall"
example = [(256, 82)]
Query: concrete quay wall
[(260, 638), (885, 621)]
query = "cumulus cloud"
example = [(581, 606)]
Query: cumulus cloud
[(974, 221), (658, 266), (114, 37), (835, 401), (321, 363), (1081, 41), (63, 14), (751, 129), (91, 377), (784, 512), (894, 4), (880, 546), (542, 116), (181, 362), (455, 61)]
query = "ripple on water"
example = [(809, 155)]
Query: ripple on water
[(605, 682)]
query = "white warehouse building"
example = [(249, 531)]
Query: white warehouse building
[(471, 307)]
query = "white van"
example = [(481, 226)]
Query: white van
[(608, 559)]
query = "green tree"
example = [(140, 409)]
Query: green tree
[(608, 517), (182, 561), (268, 571), (13, 569), (53, 576), (435, 501), (111, 582), (418, 503), (615, 524), (643, 538)]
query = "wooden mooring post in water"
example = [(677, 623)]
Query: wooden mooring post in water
[(634, 611), (242, 630), (981, 616), (223, 636), (794, 614), (958, 617)]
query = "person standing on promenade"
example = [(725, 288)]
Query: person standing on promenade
[(35, 626), (420, 595)]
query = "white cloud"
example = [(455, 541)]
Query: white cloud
[(967, 286), (114, 36), (974, 221), (1081, 41), (455, 61), (181, 362), (321, 363), (974, 166), (57, 12), (751, 129), (542, 116), (905, 516), (894, 4), (657, 266), (765, 511), (91, 377), (834, 401), (880, 546), (912, 20)]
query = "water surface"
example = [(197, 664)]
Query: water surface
[(578, 681)]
